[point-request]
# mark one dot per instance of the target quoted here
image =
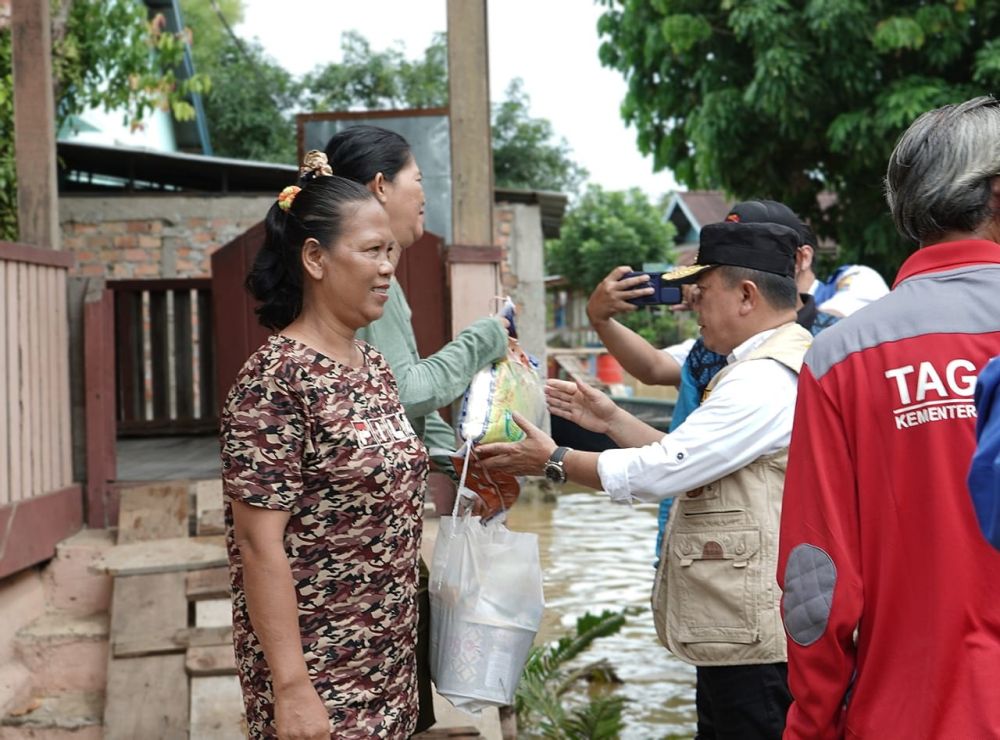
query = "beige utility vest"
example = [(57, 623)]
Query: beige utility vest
[(715, 599)]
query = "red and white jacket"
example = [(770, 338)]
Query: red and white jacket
[(891, 594)]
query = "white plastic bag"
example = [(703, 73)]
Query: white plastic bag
[(486, 607)]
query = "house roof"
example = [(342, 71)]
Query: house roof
[(697, 208), (95, 168)]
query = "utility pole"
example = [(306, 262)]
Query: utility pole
[(34, 124), (473, 259)]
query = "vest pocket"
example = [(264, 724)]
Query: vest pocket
[(717, 576)]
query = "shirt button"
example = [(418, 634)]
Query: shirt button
[(680, 455)]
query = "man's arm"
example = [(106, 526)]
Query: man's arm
[(819, 565), (640, 359)]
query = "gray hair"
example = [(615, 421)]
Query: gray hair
[(938, 179), (778, 290)]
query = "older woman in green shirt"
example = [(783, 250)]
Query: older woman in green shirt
[(383, 161)]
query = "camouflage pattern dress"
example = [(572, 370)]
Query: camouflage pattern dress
[(331, 445)]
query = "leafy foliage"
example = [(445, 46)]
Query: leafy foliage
[(605, 229), (526, 153), (251, 121), (105, 54), (256, 121), (376, 80), (780, 99), (545, 680)]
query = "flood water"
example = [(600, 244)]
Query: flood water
[(597, 555)]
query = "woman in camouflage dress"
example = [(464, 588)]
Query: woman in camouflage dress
[(324, 481)]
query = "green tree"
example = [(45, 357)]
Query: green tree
[(606, 229), (250, 106), (256, 121), (105, 54), (780, 99), (526, 152), (211, 22), (377, 80)]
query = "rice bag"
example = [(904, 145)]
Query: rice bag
[(495, 393)]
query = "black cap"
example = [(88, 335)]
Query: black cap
[(771, 212), (769, 247)]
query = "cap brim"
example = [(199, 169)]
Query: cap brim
[(685, 274)]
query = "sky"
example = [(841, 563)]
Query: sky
[(550, 44)]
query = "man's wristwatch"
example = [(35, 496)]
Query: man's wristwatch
[(554, 469)]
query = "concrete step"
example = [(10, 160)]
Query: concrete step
[(15, 685), (22, 600), (67, 716), (65, 652), (70, 584)]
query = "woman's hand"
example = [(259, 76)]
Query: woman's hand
[(526, 457), (299, 714), (581, 404)]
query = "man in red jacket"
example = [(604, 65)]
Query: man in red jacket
[(891, 595)]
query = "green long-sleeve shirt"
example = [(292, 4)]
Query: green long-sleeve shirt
[(427, 384)]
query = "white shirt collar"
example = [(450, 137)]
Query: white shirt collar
[(812, 288), (749, 345)]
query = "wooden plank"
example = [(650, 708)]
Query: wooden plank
[(162, 284), (153, 644), (235, 330), (159, 339), (148, 607), (213, 613), (183, 355), (216, 660), (35, 372), (211, 583), (208, 507), (208, 383), (217, 709), (158, 511), (27, 385), (34, 124), (163, 556), (5, 357), (128, 341), (147, 698), (211, 522), (13, 318), (30, 528), (48, 448), (99, 366), (65, 422), (19, 252)]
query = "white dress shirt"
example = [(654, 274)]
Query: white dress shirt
[(748, 414)]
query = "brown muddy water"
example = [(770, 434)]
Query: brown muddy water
[(597, 555)]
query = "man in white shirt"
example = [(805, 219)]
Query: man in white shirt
[(716, 601)]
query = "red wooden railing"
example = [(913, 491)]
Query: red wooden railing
[(39, 504)]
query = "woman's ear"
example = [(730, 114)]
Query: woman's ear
[(378, 186), (312, 258)]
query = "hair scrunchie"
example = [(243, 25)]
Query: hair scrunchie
[(315, 164), (286, 196)]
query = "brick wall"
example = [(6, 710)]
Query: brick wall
[(141, 237)]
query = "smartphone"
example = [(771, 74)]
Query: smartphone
[(662, 294)]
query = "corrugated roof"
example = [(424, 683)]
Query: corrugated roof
[(92, 167)]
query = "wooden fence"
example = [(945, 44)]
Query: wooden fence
[(165, 372), (39, 504)]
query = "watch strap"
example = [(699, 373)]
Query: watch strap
[(558, 454)]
